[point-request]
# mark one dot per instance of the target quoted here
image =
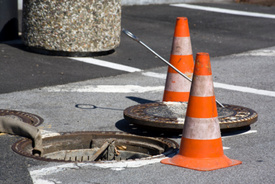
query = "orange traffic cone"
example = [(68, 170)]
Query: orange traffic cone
[(201, 143), (177, 88)]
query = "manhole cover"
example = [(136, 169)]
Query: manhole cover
[(171, 115), (98, 146), (25, 117)]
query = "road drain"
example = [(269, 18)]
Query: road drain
[(97, 146)]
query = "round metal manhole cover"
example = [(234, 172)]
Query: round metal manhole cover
[(98, 147), (171, 115), (25, 117)]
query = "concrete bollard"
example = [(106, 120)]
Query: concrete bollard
[(71, 27)]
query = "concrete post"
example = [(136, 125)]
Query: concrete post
[(71, 27)]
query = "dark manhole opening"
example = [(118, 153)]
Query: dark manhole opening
[(98, 146)]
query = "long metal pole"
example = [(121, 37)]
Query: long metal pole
[(131, 35)]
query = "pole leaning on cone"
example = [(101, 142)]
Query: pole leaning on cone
[(131, 35)]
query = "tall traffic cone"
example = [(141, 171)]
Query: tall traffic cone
[(201, 143), (177, 88)]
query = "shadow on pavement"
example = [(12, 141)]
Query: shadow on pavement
[(127, 127)]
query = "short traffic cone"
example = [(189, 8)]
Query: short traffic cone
[(177, 88), (201, 144)]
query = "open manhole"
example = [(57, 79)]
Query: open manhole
[(25, 117), (98, 146)]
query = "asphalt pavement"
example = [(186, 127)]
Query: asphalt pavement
[(242, 55)]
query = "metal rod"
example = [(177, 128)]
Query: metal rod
[(131, 35)]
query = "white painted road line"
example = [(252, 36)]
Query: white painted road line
[(155, 75), (104, 88), (107, 64), (226, 11), (223, 86), (248, 132), (38, 176), (140, 89), (263, 52), (244, 89)]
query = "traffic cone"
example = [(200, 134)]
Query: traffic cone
[(177, 88), (201, 144)]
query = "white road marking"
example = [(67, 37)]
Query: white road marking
[(155, 75), (38, 175), (140, 89), (244, 89), (107, 64), (226, 11), (248, 132), (144, 89), (224, 86), (104, 88), (264, 52)]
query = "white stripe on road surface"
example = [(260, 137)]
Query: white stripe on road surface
[(38, 176), (224, 86), (104, 88), (226, 11), (107, 64), (248, 132), (140, 89), (155, 75), (264, 52), (244, 89)]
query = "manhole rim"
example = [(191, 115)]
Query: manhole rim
[(170, 151), (143, 119), (35, 119)]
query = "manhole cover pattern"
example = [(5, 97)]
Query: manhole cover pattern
[(172, 115), (25, 117), (82, 146), (178, 110)]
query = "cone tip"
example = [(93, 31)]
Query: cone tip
[(203, 54), (182, 18), (202, 64), (182, 28)]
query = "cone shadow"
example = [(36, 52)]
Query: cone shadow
[(140, 100)]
